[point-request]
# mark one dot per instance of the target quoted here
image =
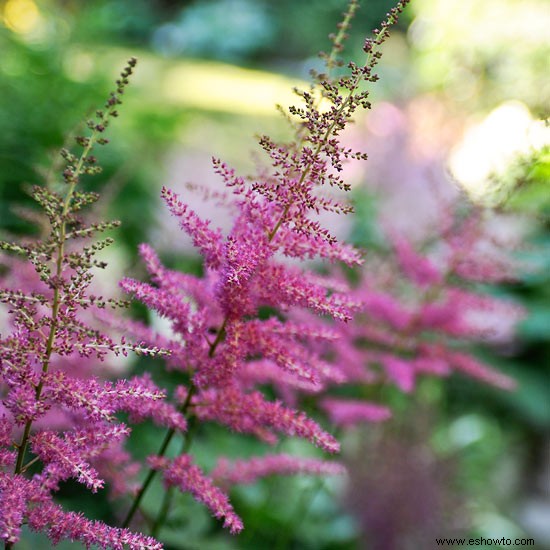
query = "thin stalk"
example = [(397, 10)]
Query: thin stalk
[(163, 512), (352, 90), (170, 434), (169, 494), (56, 303), (303, 507), (148, 480), (152, 473)]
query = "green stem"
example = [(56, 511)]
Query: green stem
[(170, 434), (161, 452), (56, 303), (303, 507), (148, 480), (163, 513), (169, 494)]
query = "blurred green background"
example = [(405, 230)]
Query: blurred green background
[(208, 77)]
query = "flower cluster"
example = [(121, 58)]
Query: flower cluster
[(249, 471), (58, 420), (421, 313), (221, 343)]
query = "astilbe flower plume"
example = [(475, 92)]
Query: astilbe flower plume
[(221, 343), (249, 471), (47, 353), (182, 473), (422, 311)]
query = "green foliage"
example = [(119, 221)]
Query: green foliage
[(531, 192)]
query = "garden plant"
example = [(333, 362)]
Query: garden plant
[(285, 332)]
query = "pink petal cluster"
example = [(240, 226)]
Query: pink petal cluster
[(58, 410), (182, 473), (242, 472), (420, 319), (13, 505), (73, 526), (418, 269), (348, 412), (22, 498), (250, 412)]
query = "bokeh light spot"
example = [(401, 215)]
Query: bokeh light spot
[(21, 16)]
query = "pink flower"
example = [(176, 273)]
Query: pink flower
[(249, 471), (182, 473), (348, 412), (399, 371), (209, 242), (252, 413), (13, 505), (472, 367), (417, 268), (60, 525)]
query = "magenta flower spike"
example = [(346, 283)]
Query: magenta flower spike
[(58, 411)]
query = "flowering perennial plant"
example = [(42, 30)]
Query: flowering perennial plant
[(49, 337), (220, 343), (259, 315), (421, 313)]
